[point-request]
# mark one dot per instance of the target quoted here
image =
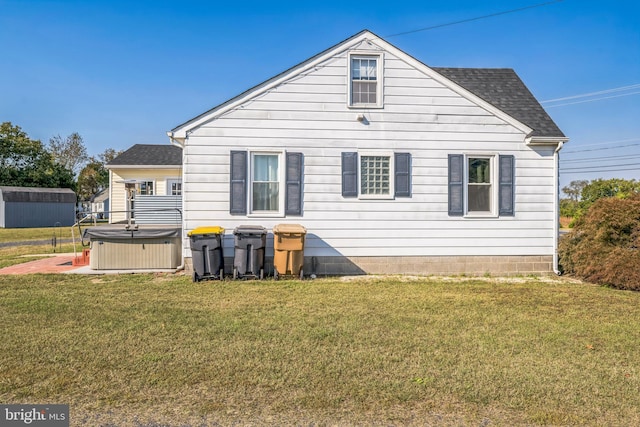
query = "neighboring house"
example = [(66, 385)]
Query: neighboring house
[(25, 207), (145, 185), (391, 165), (100, 204)]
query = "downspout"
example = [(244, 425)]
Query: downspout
[(178, 144), (556, 206)]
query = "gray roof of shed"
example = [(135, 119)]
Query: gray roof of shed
[(149, 155), (36, 194), (503, 88)]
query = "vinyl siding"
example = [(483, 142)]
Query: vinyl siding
[(118, 195), (309, 114)]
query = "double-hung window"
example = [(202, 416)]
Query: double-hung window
[(481, 185), (365, 80), (266, 183)]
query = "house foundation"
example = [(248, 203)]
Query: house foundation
[(511, 265)]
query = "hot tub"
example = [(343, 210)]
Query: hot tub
[(134, 248)]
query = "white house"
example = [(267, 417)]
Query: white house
[(391, 165), (145, 185), (100, 203)]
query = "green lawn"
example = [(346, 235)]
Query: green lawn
[(10, 255), (25, 234), (125, 350)]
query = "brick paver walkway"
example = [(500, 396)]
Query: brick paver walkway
[(54, 264)]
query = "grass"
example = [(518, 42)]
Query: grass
[(11, 255), (125, 350), (25, 234)]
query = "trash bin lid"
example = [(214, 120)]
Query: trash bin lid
[(289, 228), (206, 230), (250, 229)]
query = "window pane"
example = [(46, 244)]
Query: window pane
[(265, 167), (479, 198), (374, 175), (364, 92), (479, 171), (355, 68), (265, 196)]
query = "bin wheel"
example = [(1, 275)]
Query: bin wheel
[(195, 277), (235, 273), (275, 274), (222, 274), (301, 274), (261, 273)]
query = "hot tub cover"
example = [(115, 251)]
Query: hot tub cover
[(110, 233)]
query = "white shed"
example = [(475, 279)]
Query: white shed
[(391, 165)]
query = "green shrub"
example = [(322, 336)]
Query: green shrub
[(604, 247)]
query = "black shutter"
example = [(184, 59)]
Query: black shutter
[(506, 185), (456, 185), (238, 193), (403, 174), (293, 192), (349, 174)]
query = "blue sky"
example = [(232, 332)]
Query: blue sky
[(125, 72)]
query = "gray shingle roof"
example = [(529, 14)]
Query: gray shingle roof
[(37, 194), (149, 155), (502, 88)]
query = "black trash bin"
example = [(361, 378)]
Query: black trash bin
[(206, 252), (250, 244)]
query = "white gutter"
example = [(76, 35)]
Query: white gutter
[(556, 206)]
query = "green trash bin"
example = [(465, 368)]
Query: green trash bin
[(206, 252)]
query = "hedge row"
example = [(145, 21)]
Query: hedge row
[(604, 247)]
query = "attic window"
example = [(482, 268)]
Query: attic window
[(365, 80)]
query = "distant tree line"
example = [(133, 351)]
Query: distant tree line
[(63, 163), (583, 194)]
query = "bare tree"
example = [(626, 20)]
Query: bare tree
[(69, 152)]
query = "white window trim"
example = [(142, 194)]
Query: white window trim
[(380, 79), (493, 212), (168, 183), (392, 174), (281, 185)]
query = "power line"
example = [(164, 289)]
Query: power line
[(473, 19), (606, 159), (593, 168), (606, 148), (608, 143), (601, 92), (593, 100), (600, 171)]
